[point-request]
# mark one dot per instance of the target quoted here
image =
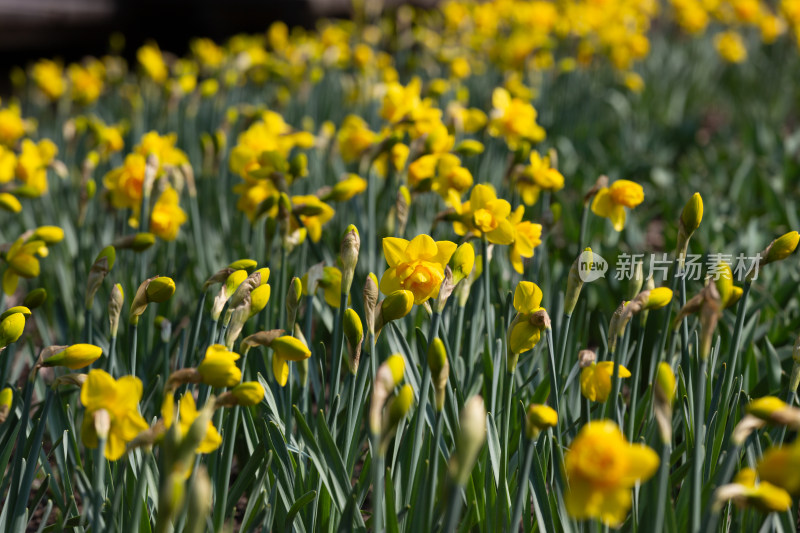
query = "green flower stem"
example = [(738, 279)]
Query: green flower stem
[(19, 447), (430, 486), (635, 384), (459, 331), (282, 283), (111, 362), (656, 356), (611, 403), (584, 224), (99, 485), (198, 320), (419, 423), (453, 513), (377, 485), (733, 356), (336, 362), (562, 343), (88, 326), (522, 485), (697, 455), (661, 493), (487, 301), (229, 439), (553, 380), (686, 361), (133, 338)]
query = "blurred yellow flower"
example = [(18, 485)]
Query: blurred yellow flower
[(33, 161), (8, 164), (527, 236), (125, 183), (167, 216), (49, 77), (602, 468), (285, 349), (318, 214), (538, 176), (730, 46), (152, 61), (12, 126), (187, 414), (354, 138), (218, 367), (514, 120), (86, 81), (120, 398)]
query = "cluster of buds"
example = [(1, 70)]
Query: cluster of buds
[(249, 298)]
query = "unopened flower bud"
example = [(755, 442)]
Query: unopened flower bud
[(160, 290), (780, 248), (138, 243), (440, 370), (293, 296), (248, 393), (462, 262), (35, 298), (582, 263), (11, 328), (538, 418), (349, 252), (691, 216), (6, 400), (470, 439), (75, 357), (115, 302), (371, 294), (354, 333), (394, 307)]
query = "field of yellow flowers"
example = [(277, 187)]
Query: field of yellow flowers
[(498, 265)]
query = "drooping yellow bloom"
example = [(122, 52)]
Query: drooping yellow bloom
[(49, 77), (270, 134), (610, 202), (285, 349), (747, 491), (187, 414), (528, 236), (416, 265), (218, 368), (779, 466), (537, 177), (730, 46), (485, 214), (33, 161), (442, 174), (163, 147), (152, 61), (207, 52), (167, 216), (22, 263), (120, 398), (514, 120), (602, 468), (525, 331), (596, 380), (313, 222)]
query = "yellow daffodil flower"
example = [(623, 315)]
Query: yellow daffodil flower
[(167, 216), (33, 161), (602, 468), (537, 177), (120, 398), (596, 380), (610, 202), (218, 367), (285, 349), (12, 126), (416, 265), (49, 77), (187, 413), (514, 120), (312, 222), (485, 214), (526, 328), (528, 236)]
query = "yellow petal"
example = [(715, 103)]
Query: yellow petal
[(394, 249), (421, 247), (481, 195), (115, 447), (211, 441), (588, 388), (602, 204), (446, 249), (390, 282), (99, 391), (527, 297), (503, 234), (643, 463), (10, 281), (618, 217), (280, 369)]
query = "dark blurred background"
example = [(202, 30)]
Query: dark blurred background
[(70, 29)]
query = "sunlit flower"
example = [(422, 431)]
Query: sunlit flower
[(416, 265), (485, 214), (86, 81), (285, 349), (33, 161), (610, 202), (537, 177), (125, 182), (120, 398), (12, 126), (526, 329), (354, 138), (527, 236), (596, 380), (330, 283), (513, 119), (49, 77), (730, 46), (218, 368), (602, 468), (318, 213), (152, 61)]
